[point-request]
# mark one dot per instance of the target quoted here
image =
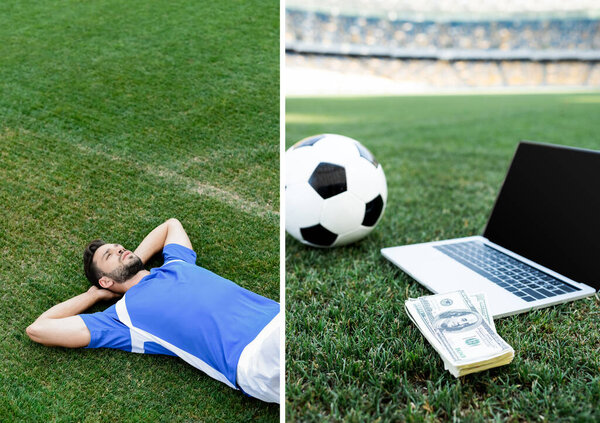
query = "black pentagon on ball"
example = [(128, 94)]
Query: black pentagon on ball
[(372, 211), (366, 154), (307, 142), (328, 179), (318, 235)]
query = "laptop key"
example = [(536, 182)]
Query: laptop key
[(568, 288), (545, 293), (528, 299), (533, 293), (547, 286), (548, 278)]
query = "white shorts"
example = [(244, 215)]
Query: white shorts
[(258, 368)]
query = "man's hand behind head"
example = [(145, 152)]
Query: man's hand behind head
[(103, 294)]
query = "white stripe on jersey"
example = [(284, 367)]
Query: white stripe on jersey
[(139, 336), (137, 340)]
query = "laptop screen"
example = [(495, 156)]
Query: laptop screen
[(548, 210)]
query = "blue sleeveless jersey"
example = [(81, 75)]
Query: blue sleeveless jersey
[(184, 310)]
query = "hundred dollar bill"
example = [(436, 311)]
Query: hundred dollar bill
[(459, 332), (480, 303)]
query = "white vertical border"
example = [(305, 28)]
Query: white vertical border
[(282, 204)]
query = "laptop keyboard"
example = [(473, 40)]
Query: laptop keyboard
[(522, 280)]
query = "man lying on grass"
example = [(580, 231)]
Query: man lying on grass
[(178, 309)]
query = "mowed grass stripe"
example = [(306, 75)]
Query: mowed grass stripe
[(232, 199), (162, 173)]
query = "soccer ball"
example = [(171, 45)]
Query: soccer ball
[(335, 191)]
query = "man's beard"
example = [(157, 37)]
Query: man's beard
[(126, 271)]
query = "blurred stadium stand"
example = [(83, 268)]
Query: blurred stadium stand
[(517, 49)]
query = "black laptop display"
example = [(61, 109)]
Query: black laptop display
[(548, 210)]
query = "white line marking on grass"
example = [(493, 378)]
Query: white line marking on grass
[(230, 198)]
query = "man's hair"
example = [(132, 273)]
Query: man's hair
[(91, 270)]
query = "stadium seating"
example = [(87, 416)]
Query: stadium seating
[(491, 53), (320, 28)]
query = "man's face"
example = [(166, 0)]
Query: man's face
[(116, 262)]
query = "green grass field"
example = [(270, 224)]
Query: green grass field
[(115, 116), (352, 353)]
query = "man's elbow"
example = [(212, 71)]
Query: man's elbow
[(173, 221), (34, 333)]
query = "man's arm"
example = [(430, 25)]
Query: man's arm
[(168, 232), (61, 327)]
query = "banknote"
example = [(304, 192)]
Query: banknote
[(463, 334), (480, 303)]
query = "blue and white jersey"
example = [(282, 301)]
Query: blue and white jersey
[(184, 310)]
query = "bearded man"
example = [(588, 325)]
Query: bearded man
[(178, 309)]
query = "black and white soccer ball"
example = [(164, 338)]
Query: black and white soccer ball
[(335, 191)]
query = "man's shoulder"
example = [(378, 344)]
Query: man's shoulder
[(175, 251), (103, 320)]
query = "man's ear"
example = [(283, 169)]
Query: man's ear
[(106, 282)]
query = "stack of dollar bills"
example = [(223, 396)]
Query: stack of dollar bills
[(461, 329)]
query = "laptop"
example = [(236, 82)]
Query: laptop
[(541, 244)]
